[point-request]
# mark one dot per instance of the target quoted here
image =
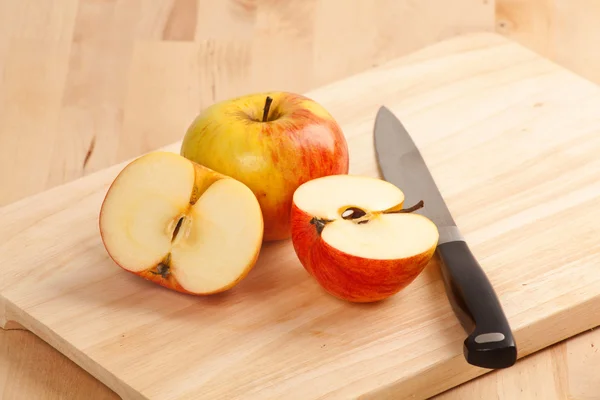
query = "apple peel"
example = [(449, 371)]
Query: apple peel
[(352, 234), (272, 142)]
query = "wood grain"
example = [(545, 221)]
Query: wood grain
[(70, 100), (502, 181), (40, 53), (567, 370), (565, 31), (71, 78), (30, 369)]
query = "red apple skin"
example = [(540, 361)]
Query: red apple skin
[(169, 282), (304, 142), (346, 276)]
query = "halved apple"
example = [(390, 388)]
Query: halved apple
[(181, 225), (353, 236)]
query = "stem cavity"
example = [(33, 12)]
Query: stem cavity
[(163, 268), (319, 223)]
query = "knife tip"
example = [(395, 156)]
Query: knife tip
[(382, 114), (382, 109)]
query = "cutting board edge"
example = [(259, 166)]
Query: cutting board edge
[(12, 317), (107, 175), (425, 388), (483, 36), (104, 173), (12, 314)]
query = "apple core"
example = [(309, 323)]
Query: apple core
[(181, 225), (353, 236)]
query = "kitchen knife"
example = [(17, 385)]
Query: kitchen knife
[(490, 342)]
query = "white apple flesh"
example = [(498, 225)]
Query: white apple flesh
[(353, 236), (181, 225)]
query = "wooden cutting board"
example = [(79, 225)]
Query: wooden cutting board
[(513, 142)]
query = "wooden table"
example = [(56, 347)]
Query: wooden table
[(78, 79)]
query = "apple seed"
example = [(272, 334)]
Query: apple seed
[(177, 227), (353, 213)]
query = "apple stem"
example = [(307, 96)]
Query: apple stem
[(407, 210), (268, 102)]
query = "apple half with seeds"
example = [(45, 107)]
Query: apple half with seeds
[(352, 235), (181, 225)]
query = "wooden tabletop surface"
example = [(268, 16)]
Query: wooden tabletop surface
[(68, 73)]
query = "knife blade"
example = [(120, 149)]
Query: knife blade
[(490, 342)]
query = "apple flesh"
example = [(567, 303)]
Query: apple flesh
[(181, 225), (353, 236), (272, 142)]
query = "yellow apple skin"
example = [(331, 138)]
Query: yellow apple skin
[(300, 141)]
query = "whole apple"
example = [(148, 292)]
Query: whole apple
[(273, 142)]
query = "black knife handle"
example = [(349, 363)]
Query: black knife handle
[(490, 343)]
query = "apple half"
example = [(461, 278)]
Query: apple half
[(181, 225), (352, 235)]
